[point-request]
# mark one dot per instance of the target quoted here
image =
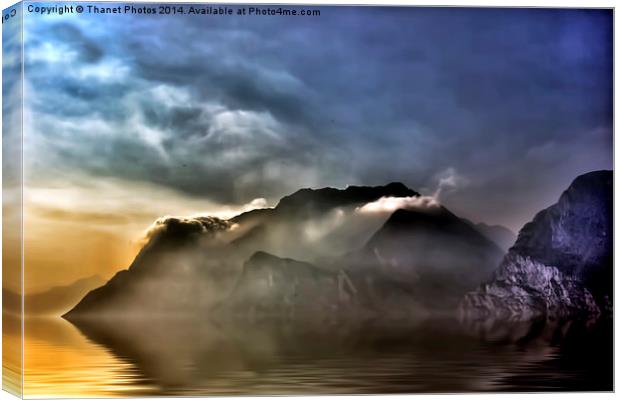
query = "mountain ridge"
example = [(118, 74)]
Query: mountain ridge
[(432, 250), (417, 259), (328, 197), (561, 264), (55, 300)]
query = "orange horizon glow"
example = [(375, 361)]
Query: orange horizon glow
[(75, 231)]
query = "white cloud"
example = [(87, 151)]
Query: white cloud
[(108, 71), (391, 204), (171, 96), (449, 180), (316, 229), (243, 124), (228, 211), (51, 53), (64, 59), (257, 203)]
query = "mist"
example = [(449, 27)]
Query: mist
[(357, 251)]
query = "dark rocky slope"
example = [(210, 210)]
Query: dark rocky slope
[(275, 288), (437, 255), (562, 262), (175, 272)]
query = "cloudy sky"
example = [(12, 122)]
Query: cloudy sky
[(133, 117)]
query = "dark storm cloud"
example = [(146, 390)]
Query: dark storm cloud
[(255, 107), (89, 51)]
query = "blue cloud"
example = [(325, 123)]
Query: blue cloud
[(233, 108)]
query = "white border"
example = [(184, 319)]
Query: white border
[(479, 3)]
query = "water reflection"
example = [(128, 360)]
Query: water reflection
[(199, 357), (11, 353), (60, 362)]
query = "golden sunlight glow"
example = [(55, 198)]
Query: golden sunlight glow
[(67, 362), (76, 231)]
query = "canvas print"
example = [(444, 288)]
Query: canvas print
[(212, 199)]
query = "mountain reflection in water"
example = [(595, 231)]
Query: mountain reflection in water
[(189, 357)]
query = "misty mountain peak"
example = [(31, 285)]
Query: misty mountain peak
[(436, 217), (260, 257), (397, 186), (262, 260), (327, 198), (177, 229)]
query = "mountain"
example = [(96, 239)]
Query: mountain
[(419, 261), (54, 301), (498, 234), (270, 286), (316, 250), (175, 272), (320, 220), (309, 201), (188, 264), (562, 262), (284, 289), (436, 254), (576, 234)]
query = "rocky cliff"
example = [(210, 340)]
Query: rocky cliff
[(562, 262)]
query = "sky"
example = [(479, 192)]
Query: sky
[(132, 117)]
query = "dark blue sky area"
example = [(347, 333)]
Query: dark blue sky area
[(505, 105)]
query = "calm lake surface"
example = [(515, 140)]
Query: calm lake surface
[(181, 357)]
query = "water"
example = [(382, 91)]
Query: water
[(186, 357)]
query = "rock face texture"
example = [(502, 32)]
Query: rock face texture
[(270, 286), (562, 262), (523, 289), (576, 234)]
